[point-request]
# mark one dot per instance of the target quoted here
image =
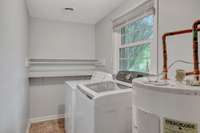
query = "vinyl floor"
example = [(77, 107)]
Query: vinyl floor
[(53, 126)]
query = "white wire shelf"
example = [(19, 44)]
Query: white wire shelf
[(61, 67)]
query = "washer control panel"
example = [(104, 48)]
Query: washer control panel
[(128, 76)]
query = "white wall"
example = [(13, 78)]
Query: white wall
[(13, 79), (54, 39), (46, 97), (177, 15)]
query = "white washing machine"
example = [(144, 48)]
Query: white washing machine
[(104, 107), (70, 97)]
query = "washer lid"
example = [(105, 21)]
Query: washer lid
[(98, 89), (104, 86)]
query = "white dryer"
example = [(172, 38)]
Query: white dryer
[(70, 97)]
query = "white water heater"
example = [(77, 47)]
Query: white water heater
[(166, 108)]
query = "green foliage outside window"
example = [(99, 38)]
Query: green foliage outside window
[(137, 57)]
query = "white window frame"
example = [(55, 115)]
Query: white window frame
[(153, 45)]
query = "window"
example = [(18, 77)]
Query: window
[(134, 49), (132, 36)]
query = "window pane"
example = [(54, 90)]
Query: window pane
[(123, 52), (123, 35), (139, 58), (139, 30), (135, 58), (123, 64)]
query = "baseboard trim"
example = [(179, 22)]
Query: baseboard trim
[(28, 126), (46, 118)]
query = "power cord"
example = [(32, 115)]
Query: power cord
[(173, 63)]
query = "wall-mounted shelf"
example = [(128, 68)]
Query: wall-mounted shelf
[(61, 67)]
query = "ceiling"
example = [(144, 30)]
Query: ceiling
[(86, 11)]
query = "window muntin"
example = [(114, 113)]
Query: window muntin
[(134, 51)]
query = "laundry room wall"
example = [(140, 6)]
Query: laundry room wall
[(46, 97), (51, 39), (14, 93), (64, 40)]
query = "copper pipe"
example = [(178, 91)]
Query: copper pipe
[(190, 73), (165, 64), (195, 49)]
